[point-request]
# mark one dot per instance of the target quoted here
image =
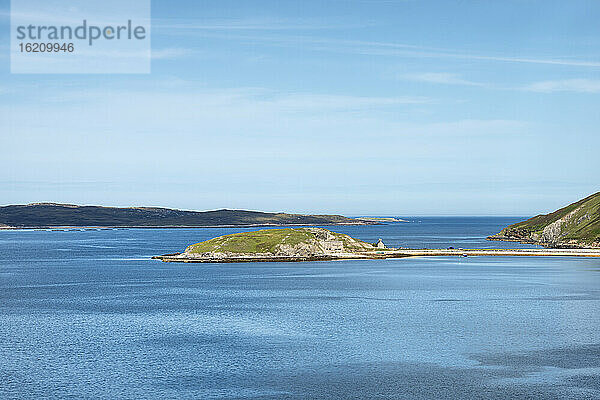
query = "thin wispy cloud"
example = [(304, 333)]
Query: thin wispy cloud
[(74, 16), (171, 53), (566, 85), (225, 28), (549, 86), (252, 24), (307, 122), (255, 99), (411, 51), (388, 49), (444, 78), (303, 103), (557, 61)]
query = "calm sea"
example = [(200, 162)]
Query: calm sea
[(87, 315)]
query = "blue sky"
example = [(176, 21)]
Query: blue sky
[(354, 107)]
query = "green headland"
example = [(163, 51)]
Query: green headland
[(576, 225)]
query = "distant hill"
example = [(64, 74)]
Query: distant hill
[(45, 215), (576, 225)]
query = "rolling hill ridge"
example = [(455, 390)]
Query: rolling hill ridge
[(47, 215)]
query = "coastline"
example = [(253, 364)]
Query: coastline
[(390, 254), (559, 245)]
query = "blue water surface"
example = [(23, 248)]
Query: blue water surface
[(87, 315)]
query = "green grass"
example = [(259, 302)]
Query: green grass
[(268, 240), (263, 241), (583, 226)]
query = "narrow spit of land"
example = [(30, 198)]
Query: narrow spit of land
[(500, 252), (181, 257)]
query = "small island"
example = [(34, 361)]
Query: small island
[(319, 244), (287, 244)]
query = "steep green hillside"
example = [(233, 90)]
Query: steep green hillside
[(42, 215), (576, 225)]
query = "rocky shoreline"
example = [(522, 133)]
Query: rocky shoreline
[(181, 257), (571, 244), (389, 254), (576, 226)]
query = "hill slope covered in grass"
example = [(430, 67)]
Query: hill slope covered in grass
[(44, 215), (282, 242), (576, 225)]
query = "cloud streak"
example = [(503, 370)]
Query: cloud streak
[(444, 78), (171, 53), (566, 85), (390, 49), (252, 24), (225, 29), (576, 85)]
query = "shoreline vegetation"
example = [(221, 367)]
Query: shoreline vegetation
[(70, 216), (319, 244)]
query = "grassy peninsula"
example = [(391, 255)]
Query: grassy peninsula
[(576, 225), (318, 244)]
